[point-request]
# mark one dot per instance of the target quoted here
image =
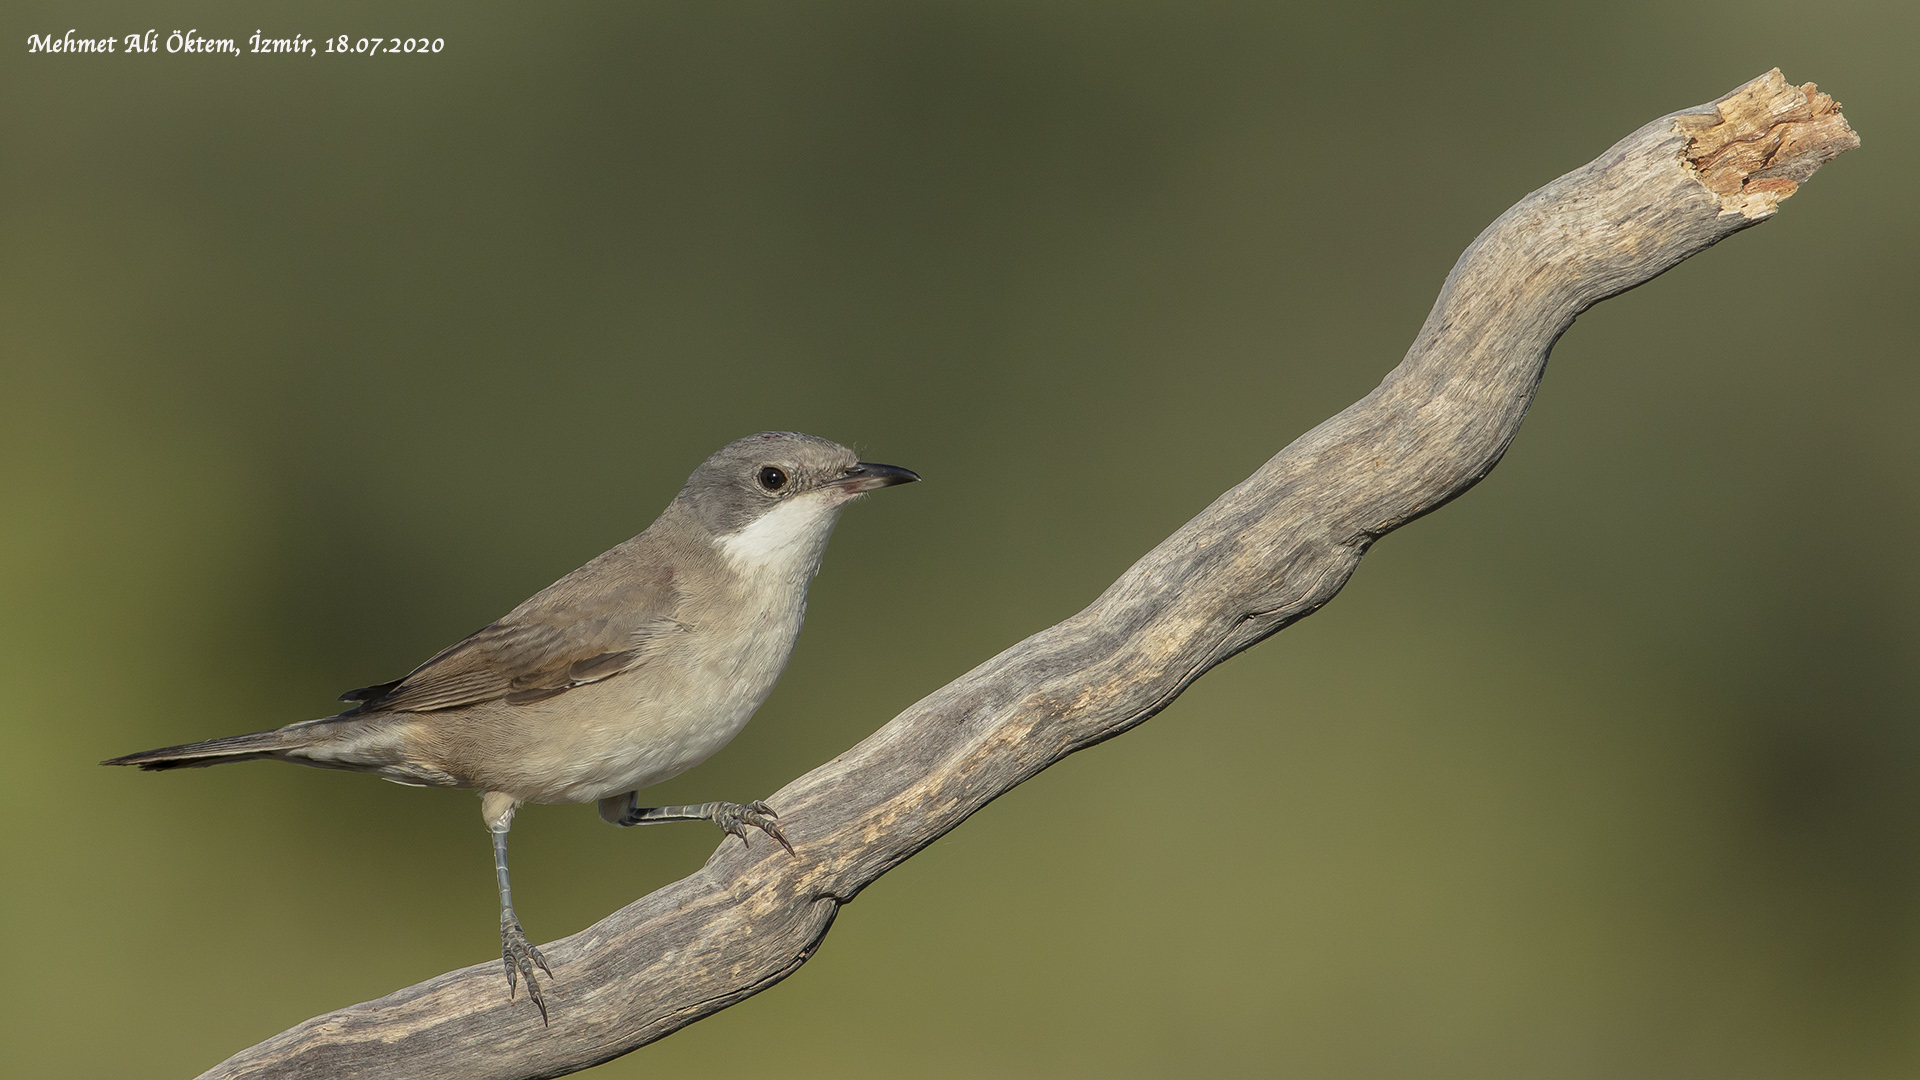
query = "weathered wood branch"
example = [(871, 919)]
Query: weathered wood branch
[(1267, 553)]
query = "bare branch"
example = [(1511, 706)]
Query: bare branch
[(1268, 552)]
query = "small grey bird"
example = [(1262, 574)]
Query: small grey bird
[(628, 671)]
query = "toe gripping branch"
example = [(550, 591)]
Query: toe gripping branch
[(516, 952), (731, 817)]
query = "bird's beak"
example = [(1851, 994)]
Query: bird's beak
[(866, 476)]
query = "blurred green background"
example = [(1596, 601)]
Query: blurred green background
[(312, 365)]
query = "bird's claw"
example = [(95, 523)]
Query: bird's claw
[(734, 818), (520, 957)]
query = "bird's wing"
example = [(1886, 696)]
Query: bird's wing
[(594, 623)]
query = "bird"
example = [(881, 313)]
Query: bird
[(626, 672)]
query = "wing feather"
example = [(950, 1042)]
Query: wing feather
[(596, 622)]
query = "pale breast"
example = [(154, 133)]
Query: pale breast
[(653, 723), (688, 696)]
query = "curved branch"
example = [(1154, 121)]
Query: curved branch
[(1268, 552)]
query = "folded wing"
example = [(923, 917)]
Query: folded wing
[(590, 625)]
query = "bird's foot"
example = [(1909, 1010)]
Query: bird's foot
[(734, 818), (520, 956)]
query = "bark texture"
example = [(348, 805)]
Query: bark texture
[(1266, 553)]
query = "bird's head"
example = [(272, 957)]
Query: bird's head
[(769, 501)]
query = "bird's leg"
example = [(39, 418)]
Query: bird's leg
[(516, 951), (733, 817)]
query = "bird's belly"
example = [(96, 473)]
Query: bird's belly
[(647, 726)]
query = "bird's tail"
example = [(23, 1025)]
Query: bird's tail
[(260, 744)]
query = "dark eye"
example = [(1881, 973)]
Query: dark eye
[(772, 478)]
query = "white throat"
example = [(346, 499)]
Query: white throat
[(785, 542)]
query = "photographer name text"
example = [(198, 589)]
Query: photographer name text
[(191, 41)]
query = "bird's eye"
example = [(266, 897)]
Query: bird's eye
[(773, 478)]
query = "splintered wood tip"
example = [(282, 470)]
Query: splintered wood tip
[(1762, 141)]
